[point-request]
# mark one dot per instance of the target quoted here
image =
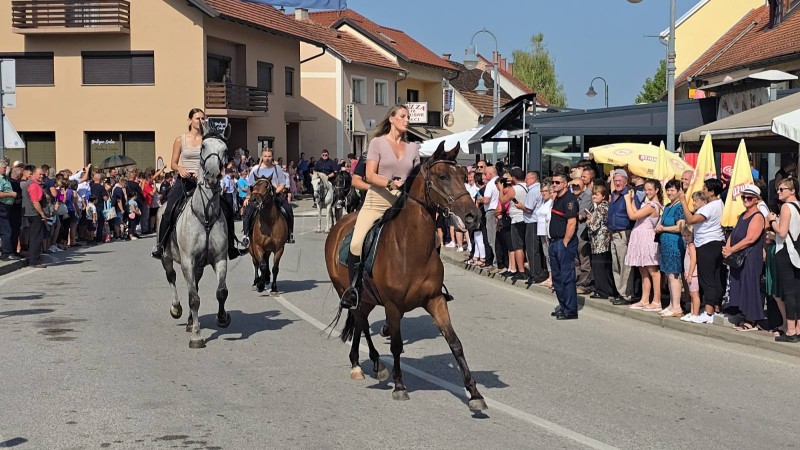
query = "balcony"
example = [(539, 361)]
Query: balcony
[(235, 100), (70, 16)]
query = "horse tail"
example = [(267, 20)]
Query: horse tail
[(349, 325)]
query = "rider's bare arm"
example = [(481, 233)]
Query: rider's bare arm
[(176, 158)]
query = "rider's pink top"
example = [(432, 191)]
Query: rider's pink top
[(389, 166)]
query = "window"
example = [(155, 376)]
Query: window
[(381, 92), (265, 142), (118, 68), (40, 148), (139, 146), (289, 81), (33, 68), (264, 75), (359, 89), (412, 95)]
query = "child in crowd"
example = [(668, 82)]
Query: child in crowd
[(690, 271), (133, 216), (91, 218)]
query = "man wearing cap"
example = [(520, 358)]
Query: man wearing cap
[(564, 247), (620, 226)]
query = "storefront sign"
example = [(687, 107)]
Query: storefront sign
[(417, 112), (448, 100)]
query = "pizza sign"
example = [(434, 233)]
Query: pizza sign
[(417, 112)]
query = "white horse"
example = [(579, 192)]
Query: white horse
[(200, 238), (323, 195)]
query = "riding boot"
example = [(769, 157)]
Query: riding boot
[(163, 233), (247, 219), (352, 297), (289, 221)]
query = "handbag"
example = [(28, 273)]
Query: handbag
[(109, 212), (736, 260), (62, 210)]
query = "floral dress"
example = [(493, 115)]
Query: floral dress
[(672, 247), (599, 237)]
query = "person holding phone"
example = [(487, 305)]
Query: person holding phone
[(515, 193)]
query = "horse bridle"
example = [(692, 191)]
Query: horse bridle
[(260, 205), (208, 222), (430, 186)]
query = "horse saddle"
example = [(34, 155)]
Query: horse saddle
[(370, 246)]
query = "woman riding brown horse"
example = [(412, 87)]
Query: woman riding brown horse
[(269, 235), (408, 272)]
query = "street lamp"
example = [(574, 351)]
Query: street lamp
[(471, 62), (591, 92), (670, 77)]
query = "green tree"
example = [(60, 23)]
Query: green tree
[(654, 88), (537, 70)]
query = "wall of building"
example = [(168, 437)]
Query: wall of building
[(320, 88), (465, 117), (70, 109)]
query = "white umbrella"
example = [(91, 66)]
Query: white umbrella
[(788, 125)]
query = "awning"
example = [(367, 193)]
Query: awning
[(425, 132), (788, 125), (11, 138), (450, 141), (503, 121), (756, 122), (291, 116), (770, 76)]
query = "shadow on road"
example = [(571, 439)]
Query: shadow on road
[(285, 286), (25, 312), (412, 329), (29, 296), (243, 325)]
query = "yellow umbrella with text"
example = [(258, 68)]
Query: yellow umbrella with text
[(639, 159), (741, 177), (704, 170)]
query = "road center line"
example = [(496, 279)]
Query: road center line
[(459, 390)]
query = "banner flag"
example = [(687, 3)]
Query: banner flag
[(741, 177), (704, 170)]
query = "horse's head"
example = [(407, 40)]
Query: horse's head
[(263, 191), (318, 182), (213, 158), (445, 189)]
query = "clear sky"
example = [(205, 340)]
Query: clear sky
[(586, 38)]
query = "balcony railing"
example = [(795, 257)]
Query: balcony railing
[(70, 16), (236, 97)]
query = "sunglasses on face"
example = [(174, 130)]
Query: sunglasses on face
[(748, 198), (575, 186), (781, 189), (557, 182)]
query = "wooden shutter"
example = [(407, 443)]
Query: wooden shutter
[(264, 75), (118, 68), (141, 147), (40, 148), (33, 68)]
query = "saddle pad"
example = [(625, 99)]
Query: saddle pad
[(369, 249)]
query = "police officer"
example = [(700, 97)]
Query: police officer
[(267, 168), (564, 248)]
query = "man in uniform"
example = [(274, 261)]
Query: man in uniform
[(266, 168), (563, 248)]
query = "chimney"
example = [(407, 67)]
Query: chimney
[(503, 63), (301, 14), (446, 56), (495, 55), (511, 69)]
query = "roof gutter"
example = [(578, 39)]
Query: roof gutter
[(314, 57), (402, 76)]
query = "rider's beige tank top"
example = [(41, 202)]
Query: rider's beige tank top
[(190, 156)]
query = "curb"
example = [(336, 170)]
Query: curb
[(13, 266), (724, 333)]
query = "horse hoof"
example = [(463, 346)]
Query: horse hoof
[(176, 312), (253, 288), (400, 395), (223, 323), (356, 373), (383, 375), (477, 404), (197, 343), (260, 288)]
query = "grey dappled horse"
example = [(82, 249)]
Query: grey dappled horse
[(323, 195), (200, 238)]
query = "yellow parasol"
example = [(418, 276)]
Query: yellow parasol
[(741, 177), (663, 171), (640, 159), (705, 169)]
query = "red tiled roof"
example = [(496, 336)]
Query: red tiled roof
[(465, 84), (745, 44), (349, 46), (262, 15), (397, 40)]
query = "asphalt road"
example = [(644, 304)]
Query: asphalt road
[(92, 359)]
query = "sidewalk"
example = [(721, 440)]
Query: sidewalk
[(721, 329)]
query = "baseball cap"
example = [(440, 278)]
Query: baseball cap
[(621, 172)]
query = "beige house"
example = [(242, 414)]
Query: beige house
[(102, 78), (395, 64)]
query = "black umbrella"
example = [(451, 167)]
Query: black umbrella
[(116, 161)]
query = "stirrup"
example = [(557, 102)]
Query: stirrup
[(245, 241), (348, 294), (157, 252), (291, 239)]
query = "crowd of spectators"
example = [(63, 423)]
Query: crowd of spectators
[(645, 246)]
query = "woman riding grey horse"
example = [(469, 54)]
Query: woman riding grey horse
[(186, 162)]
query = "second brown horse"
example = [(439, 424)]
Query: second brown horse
[(408, 272), (269, 235)]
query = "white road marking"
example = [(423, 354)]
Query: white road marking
[(459, 390)]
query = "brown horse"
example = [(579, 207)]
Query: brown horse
[(408, 272), (269, 235)]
